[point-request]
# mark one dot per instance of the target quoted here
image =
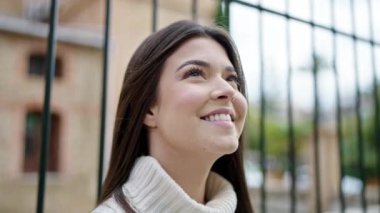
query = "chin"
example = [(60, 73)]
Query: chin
[(228, 147)]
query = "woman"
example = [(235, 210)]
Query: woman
[(177, 144)]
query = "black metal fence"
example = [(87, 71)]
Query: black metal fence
[(316, 121), (262, 10)]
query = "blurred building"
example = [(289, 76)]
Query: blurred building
[(76, 92)]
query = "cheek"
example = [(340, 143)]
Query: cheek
[(185, 98), (241, 107)]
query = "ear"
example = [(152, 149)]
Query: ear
[(150, 119)]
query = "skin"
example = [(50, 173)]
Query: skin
[(197, 80)]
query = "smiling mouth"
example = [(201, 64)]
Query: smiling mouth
[(218, 117)]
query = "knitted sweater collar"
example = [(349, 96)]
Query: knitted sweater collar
[(150, 189)]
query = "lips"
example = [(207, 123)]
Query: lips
[(222, 114)]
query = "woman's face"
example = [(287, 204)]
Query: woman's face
[(199, 108)]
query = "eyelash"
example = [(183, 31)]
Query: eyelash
[(234, 78), (196, 72)]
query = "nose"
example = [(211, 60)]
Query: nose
[(222, 90)]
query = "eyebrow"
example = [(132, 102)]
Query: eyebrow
[(204, 64)]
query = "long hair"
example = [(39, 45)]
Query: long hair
[(139, 92)]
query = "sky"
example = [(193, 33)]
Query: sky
[(244, 29)]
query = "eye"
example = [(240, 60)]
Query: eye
[(235, 80), (194, 72)]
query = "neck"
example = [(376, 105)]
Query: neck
[(187, 170)]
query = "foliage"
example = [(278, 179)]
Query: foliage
[(221, 18), (276, 136), (351, 150)]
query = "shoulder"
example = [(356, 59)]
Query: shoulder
[(109, 206)]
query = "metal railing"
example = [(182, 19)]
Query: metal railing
[(262, 120), (46, 124), (316, 115)]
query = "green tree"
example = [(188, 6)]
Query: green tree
[(276, 136), (350, 145), (221, 18)]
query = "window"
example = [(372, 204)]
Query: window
[(38, 65), (33, 139)]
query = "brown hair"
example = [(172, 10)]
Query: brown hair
[(138, 94)]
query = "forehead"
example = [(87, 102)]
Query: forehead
[(200, 48)]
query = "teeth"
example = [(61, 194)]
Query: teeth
[(218, 117)]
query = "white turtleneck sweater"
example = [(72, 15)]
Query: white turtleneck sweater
[(150, 189)]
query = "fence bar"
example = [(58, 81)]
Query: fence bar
[(262, 141), (53, 20), (375, 95), (104, 95), (338, 112), (194, 10), (362, 171), (154, 15), (291, 144), (316, 124), (310, 23)]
